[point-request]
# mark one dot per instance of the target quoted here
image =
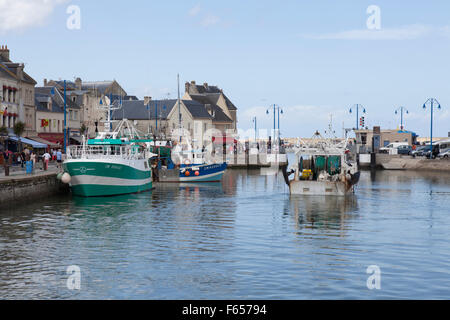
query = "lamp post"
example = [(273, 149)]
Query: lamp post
[(432, 102), (401, 110), (65, 116), (280, 110), (357, 106), (254, 121)]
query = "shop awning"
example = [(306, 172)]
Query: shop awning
[(49, 143), (224, 140), (32, 143)]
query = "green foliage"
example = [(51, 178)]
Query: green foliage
[(19, 128)]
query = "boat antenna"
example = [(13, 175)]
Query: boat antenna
[(179, 106)]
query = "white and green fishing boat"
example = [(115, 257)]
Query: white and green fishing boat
[(115, 162)]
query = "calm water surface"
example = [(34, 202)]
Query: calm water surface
[(244, 238)]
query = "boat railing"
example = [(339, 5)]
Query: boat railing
[(105, 152)]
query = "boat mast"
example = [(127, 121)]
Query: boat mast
[(179, 106)]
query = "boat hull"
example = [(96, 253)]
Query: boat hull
[(95, 178), (319, 188), (201, 173)]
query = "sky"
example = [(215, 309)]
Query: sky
[(314, 59)]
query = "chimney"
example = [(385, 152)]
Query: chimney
[(4, 53), (19, 71), (186, 87), (45, 82), (193, 83), (205, 85), (147, 100), (78, 83)]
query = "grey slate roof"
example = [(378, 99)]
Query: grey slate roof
[(40, 101), (212, 91), (100, 86), (11, 67), (4, 73), (57, 98), (136, 110), (210, 102), (196, 109)]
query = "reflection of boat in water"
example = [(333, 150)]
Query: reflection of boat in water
[(323, 212), (323, 168)]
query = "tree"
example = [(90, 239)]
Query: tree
[(83, 129), (19, 128)]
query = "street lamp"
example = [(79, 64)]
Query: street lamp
[(401, 110), (431, 102), (280, 111), (357, 106), (254, 121)]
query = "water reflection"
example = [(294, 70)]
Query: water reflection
[(316, 212), (239, 239)]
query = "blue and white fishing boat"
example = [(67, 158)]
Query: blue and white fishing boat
[(186, 166)]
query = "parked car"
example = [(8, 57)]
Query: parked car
[(405, 149), (431, 155), (444, 154), (392, 146), (419, 151)]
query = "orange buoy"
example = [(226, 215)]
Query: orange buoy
[(197, 173), (187, 173)]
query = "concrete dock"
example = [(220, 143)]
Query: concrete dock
[(19, 186), (404, 162)]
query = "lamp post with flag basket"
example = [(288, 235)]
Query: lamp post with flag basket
[(431, 102), (401, 110), (357, 107), (280, 111)]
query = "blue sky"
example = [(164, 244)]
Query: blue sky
[(313, 58)]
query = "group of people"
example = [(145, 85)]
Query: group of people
[(9, 158)]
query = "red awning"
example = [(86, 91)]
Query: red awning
[(224, 140)]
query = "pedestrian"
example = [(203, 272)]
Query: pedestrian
[(59, 158), (22, 157), (33, 160), (54, 153), (46, 158)]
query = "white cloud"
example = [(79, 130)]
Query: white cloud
[(22, 14), (408, 32), (210, 20), (194, 10)]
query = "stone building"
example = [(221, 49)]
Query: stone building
[(161, 118), (50, 116), (87, 96), (16, 94), (222, 111)]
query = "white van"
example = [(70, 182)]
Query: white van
[(392, 146)]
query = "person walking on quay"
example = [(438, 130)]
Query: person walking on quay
[(33, 160), (46, 158), (59, 158), (54, 153), (6, 161), (22, 157)]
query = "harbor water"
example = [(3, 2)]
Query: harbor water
[(244, 238)]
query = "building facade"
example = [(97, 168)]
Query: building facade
[(16, 94), (87, 96), (222, 111), (161, 118), (368, 140)]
